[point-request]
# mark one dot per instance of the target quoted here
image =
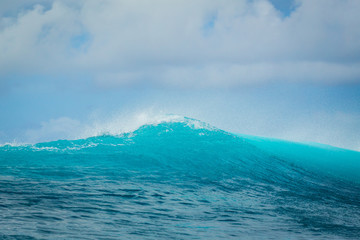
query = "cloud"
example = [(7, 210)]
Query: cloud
[(184, 43), (13, 8)]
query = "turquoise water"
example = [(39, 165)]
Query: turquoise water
[(178, 180)]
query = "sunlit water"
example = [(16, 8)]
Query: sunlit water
[(178, 180)]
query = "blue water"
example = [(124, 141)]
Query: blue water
[(178, 180)]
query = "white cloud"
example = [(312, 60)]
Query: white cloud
[(185, 43)]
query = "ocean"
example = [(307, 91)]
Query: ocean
[(179, 179)]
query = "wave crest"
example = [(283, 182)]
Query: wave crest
[(191, 144)]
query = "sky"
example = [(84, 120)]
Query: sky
[(286, 69)]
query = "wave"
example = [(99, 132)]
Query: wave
[(180, 140), (183, 171)]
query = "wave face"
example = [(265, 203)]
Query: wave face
[(178, 180)]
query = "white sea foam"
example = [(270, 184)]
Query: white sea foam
[(123, 123), (14, 144)]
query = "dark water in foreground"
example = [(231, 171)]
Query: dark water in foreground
[(178, 180)]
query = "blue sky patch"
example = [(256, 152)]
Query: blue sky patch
[(80, 41), (286, 7)]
